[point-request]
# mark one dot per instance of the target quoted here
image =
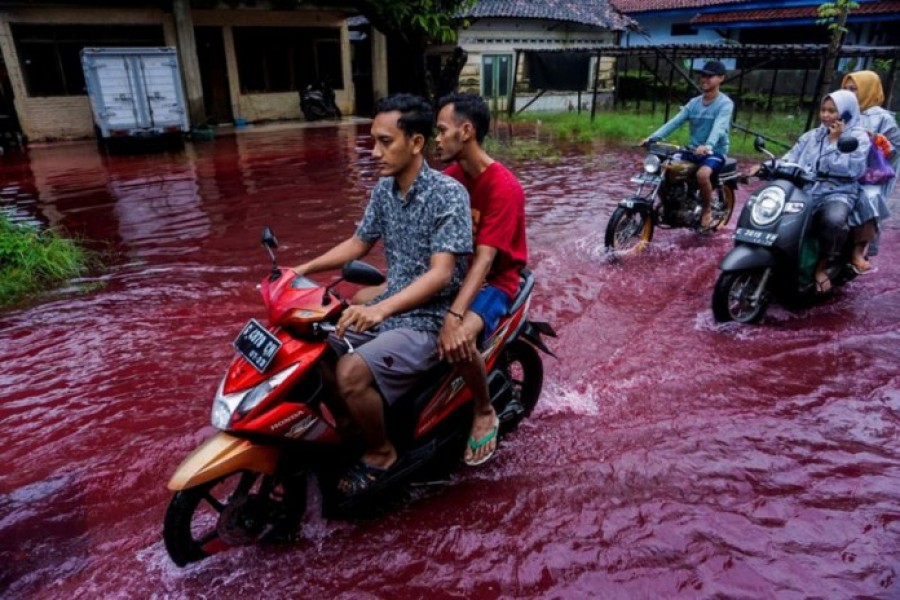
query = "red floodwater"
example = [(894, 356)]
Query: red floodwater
[(668, 458)]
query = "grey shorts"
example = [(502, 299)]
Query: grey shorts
[(396, 358)]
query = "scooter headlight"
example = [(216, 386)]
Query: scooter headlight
[(767, 206), (225, 405), (651, 164)]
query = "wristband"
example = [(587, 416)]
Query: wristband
[(455, 314)]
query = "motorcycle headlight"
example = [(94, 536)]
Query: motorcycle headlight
[(651, 164), (225, 405), (768, 206)]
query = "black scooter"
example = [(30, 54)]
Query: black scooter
[(317, 102), (775, 254)]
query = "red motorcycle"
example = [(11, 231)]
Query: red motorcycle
[(248, 482)]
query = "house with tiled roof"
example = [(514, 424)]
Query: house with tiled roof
[(494, 32), (872, 23)]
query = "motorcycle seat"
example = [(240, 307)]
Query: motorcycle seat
[(729, 167)]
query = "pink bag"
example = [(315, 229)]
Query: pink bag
[(878, 169)]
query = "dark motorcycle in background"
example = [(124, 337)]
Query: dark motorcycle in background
[(317, 102), (668, 197), (247, 483), (775, 253)]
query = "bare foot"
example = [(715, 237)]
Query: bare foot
[(823, 283)]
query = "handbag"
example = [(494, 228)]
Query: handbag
[(878, 169)]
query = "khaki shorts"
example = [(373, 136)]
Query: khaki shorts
[(396, 358)]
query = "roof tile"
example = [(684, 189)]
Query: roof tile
[(598, 13)]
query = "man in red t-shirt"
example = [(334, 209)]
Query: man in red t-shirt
[(498, 221)]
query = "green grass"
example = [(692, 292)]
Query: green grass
[(33, 260), (629, 127)]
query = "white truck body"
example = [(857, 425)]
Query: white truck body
[(135, 92)]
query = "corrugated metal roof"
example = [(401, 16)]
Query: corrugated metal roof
[(598, 13)]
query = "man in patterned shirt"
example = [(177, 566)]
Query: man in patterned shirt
[(423, 219)]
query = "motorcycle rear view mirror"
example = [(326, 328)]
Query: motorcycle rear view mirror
[(270, 243), (759, 143), (356, 271), (847, 144), (268, 238)]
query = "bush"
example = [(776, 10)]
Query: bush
[(32, 260)]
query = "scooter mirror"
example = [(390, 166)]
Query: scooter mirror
[(356, 271), (759, 143), (847, 144), (268, 238)]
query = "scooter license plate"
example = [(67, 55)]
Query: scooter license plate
[(753, 236), (257, 345)]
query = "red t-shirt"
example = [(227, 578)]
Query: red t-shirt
[(498, 220)]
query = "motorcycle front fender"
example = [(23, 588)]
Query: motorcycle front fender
[(747, 256), (636, 203), (220, 455)]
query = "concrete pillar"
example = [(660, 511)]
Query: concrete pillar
[(234, 84), (379, 65), (347, 71), (16, 80), (190, 65)]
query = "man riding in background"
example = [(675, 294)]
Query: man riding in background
[(498, 219), (709, 119)]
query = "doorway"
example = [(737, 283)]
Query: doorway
[(213, 75)]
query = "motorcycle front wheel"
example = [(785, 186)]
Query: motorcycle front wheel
[(628, 230), (733, 297), (213, 517), (524, 373)]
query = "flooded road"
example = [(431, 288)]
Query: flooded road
[(668, 457)]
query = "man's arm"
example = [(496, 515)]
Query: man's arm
[(350, 249), (673, 124), (453, 340), (436, 278)]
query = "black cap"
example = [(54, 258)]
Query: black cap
[(713, 67)]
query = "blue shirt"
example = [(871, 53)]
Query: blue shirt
[(434, 217), (709, 123)]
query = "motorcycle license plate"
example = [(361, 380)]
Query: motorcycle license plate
[(257, 345), (752, 236)]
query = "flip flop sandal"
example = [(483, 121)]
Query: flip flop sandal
[(823, 286), (474, 445), (360, 478), (862, 269)]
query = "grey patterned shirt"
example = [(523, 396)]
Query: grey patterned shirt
[(434, 217)]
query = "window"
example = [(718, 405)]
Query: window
[(282, 59), (496, 75), (49, 54), (682, 29)]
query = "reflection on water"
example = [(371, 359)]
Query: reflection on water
[(669, 457)]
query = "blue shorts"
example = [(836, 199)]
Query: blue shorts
[(713, 161), (490, 304)]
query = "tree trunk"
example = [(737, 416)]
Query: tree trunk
[(829, 65)]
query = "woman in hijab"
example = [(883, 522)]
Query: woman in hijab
[(871, 206), (816, 151)]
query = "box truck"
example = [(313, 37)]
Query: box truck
[(136, 95)]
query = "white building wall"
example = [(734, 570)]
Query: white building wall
[(504, 36)]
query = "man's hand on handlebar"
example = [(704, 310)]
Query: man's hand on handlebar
[(360, 318), (703, 150)]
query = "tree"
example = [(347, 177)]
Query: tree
[(414, 24), (834, 15)]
